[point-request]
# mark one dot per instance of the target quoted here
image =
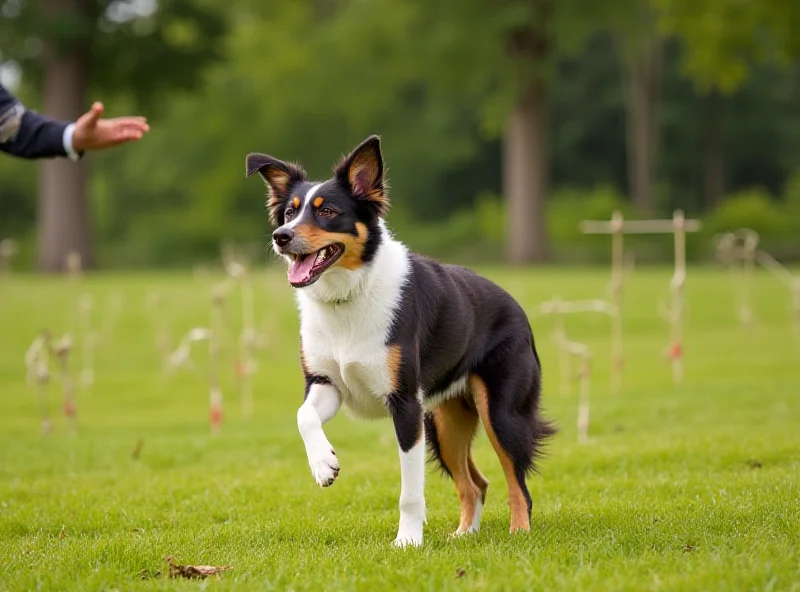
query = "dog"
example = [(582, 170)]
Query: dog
[(386, 332)]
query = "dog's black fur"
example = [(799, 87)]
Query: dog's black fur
[(453, 323)]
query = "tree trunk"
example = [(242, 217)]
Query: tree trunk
[(526, 170), (64, 221), (642, 82), (714, 154)]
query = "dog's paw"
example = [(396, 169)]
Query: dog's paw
[(403, 541), (464, 531), (324, 466)]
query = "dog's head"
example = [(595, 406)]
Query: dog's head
[(329, 225)]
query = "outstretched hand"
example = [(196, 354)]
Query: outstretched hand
[(93, 133)]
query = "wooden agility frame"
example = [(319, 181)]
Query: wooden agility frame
[(567, 349), (617, 227), (737, 250), (788, 279), (558, 309)]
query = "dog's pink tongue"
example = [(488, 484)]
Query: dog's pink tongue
[(300, 269)]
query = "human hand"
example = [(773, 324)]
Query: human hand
[(93, 133)]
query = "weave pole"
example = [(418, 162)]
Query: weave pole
[(617, 227), (676, 288), (249, 340), (737, 250), (788, 279), (8, 249), (558, 309), (582, 352), (38, 374), (61, 349)]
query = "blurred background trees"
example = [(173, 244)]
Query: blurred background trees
[(504, 123)]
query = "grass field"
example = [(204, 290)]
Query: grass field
[(693, 488)]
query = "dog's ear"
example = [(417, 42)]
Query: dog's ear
[(362, 172), (279, 177)]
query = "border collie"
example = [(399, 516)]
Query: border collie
[(386, 332)]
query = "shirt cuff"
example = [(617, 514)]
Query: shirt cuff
[(68, 147)]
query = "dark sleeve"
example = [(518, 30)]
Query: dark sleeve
[(27, 134)]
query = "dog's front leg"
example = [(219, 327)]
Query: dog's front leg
[(406, 411), (321, 404)]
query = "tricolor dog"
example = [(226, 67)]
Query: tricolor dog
[(388, 333)]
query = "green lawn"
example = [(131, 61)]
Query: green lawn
[(692, 488)]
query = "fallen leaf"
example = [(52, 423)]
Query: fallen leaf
[(460, 572), (688, 548), (62, 534), (193, 571), (146, 574), (753, 463)]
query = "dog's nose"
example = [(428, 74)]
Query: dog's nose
[(282, 236)]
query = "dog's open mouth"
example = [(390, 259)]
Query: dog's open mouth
[(306, 269)]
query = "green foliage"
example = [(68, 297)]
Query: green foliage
[(725, 37), (754, 209), (134, 50), (792, 195), (568, 206), (777, 226), (306, 80)]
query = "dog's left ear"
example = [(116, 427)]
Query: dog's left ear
[(362, 172)]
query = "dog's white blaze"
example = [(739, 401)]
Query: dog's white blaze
[(412, 495), (455, 389), (306, 200), (346, 340)]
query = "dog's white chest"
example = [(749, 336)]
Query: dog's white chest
[(347, 342), (354, 356)]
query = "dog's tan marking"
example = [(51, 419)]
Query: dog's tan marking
[(353, 248), (315, 238), (394, 358), (303, 363), (295, 202), (516, 500), (455, 428), (318, 201), (477, 477)]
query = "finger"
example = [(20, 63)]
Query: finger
[(127, 120), (94, 113), (115, 124), (128, 136)]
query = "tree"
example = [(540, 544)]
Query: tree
[(722, 39), (503, 57), (640, 51), (526, 157), (112, 47)]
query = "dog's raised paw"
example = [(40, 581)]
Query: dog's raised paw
[(324, 466)]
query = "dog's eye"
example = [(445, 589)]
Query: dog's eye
[(289, 213), (326, 213)]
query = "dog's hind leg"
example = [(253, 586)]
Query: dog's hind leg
[(455, 423), (506, 394)]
